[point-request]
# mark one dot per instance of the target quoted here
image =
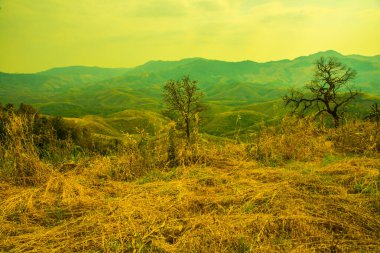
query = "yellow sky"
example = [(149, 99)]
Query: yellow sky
[(37, 35)]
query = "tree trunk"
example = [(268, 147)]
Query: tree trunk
[(187, 120), (336, 120)]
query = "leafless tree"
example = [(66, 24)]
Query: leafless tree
[(183, 101), (328, 92)]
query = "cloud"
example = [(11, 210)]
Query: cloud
[(37, 34), (159, 9)]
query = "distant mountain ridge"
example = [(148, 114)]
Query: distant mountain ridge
[(229, 87)]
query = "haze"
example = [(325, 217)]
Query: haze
[(37, 35)]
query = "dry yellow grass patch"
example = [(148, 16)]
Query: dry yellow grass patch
[(227, 206)]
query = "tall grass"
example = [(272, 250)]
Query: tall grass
[(158, 193), (25, 155), (357, 136), (294, 139), (19, 158), (303, 139)]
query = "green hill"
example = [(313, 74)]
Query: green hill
[(250, 88), (123, 122), (83, 74)]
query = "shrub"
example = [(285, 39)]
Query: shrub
[(357, 137), (293, 139), (19, 160), (54, 138)]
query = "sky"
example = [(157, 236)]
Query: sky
[(39, 34)]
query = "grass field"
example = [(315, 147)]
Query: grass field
[(293, 188), (331, 205)]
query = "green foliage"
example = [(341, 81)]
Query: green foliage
[(183, 101), (230, 87), (327, 93), (53, 138), (330, 158)]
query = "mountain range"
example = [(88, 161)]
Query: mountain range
[(249, 89)]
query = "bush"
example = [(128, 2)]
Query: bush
[(293, 139), (53, 138), (19, 160), (357, 137)]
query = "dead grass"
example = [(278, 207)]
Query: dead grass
[(221, 197), (232, 207), (19, 160), (293, 139), (360, 137)]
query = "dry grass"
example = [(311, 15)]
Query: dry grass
[(304, 140), (221, 197), (232, 207), (19, 160), (360, 137), (293, 139)]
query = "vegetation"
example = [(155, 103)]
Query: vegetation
[(293, 187), (130, 181), (374, 114), (230, 88), (183, 101), (329, 90), (52, 138)]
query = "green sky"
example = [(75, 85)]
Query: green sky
[(37, 35)]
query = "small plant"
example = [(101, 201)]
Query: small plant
[(237, 128), (330, 158)]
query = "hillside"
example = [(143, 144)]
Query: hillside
[(82, 74), (124, 122), (297, 190), (236, 207), (231, 88), (293, 186), (45, 89)]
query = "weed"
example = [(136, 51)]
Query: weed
[(330, 158)]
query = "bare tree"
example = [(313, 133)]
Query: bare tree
[(183, 100), (328, 92)]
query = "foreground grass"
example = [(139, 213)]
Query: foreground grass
[(331, 205)]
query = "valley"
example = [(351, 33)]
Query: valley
[(250, 89)]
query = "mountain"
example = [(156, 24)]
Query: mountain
[(248, 88), (83, 74), (47, 89)]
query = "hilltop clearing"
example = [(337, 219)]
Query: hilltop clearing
[(296, 187), (331, 205)]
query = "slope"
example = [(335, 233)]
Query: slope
[(230, 88)]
